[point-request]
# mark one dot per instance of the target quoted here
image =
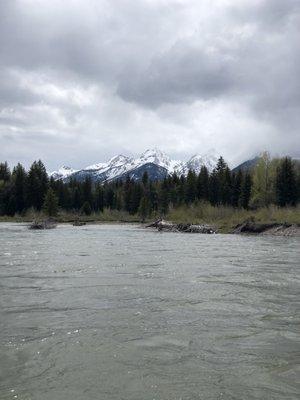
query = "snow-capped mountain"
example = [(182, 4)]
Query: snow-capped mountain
[(157, 163), (63, 172), (197, 161)]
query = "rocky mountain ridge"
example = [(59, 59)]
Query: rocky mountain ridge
[(157, 163)]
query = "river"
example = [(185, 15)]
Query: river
[(118, 312)]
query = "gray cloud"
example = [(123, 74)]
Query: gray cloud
[(103, 77)]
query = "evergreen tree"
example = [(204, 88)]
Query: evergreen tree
[(19, 181), (135, 199), (191, 187), (223, 176), (153, 197), (181, 190), (144, 208), (11, 205), (202, 184), (4, 172), (286, 192), (127, 194), (86, 208), (63, 193), (214, 188), (298, 188), (76, 198), (245, 191), (99, 198), (109, 197), (221, 165), (50, 205), (37, 185), (163, 197), (237, 187), (87, 190), (226, 187)]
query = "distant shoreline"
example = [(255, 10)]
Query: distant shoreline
[(246, 228)]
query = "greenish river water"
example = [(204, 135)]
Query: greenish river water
[(117, 312)]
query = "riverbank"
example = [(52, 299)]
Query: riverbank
[(247, 227), (269, 220), (226, 219)]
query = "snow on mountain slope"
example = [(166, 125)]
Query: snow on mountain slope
[(197, 161), (63, 172), (121, 166), (159, 158)]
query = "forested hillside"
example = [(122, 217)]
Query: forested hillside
[(272, 181)]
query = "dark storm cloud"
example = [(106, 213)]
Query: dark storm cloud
[(183, 74), (110, 72), (262, 67)]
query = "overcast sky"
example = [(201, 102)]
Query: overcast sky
[(83, 80)]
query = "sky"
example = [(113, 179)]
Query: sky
[(84, 80)]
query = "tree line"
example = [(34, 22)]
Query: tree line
[(272, 181)]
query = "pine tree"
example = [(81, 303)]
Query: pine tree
[(11, 205), (109, 197), (214, 188), (4, 172), (127, 190), (50, 205), (163, 197), (144, 208), (87, 190), (76, 198), (86, 208), (99, 198), (237, 187), (226, 187), (181, 190), (202, 184), (19, 181), (286, 192), (245, 191), (221, 165), (191, 187), (37, 185), (136, 196), (224, 190), (153, 197)]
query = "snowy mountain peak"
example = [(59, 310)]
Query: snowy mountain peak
[(197, 161), (158, 157), (63, 172), (155, 156), (152, 159), (119, 160)]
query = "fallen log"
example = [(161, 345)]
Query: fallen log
[(162, 225), (79, 223), (249, 226), (39, 225)]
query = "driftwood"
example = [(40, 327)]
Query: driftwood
[(162, 225), (249, 226), (79, 223), (46, 224)]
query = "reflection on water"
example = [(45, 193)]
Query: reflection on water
[(117, 312)]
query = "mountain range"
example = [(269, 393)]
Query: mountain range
[(157, 164)]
